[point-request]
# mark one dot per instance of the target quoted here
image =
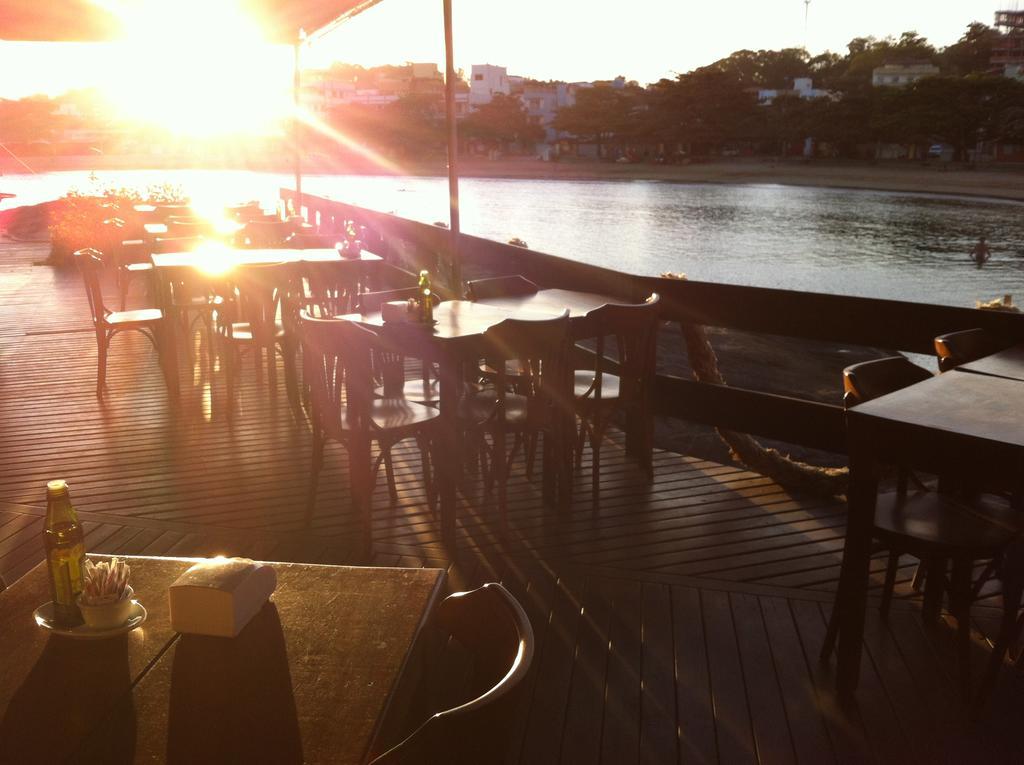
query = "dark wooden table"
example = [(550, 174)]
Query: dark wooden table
[(218, 260), (310, 678), (1008, 363), (958, 422), (458, 339)]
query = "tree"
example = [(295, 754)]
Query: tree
[(601, 114), (501, 122), (972, 53)]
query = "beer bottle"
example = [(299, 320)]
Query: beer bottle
[(65, 552), (426, 298)]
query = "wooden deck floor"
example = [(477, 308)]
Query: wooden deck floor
[(679, 622)]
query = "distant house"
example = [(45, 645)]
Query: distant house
[(1008, 47), (900, 75), (803, 87), (485, 81), (542, 102)]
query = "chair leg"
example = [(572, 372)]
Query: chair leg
[(102, 344), (531, 453), (318, 463), (499, 470), (122, 286), (933, 590), (389, 471), (831, 632), (890, 583), (960, 605), (428, 477), (1008, 632)]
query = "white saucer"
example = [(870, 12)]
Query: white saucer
[(46, 619)]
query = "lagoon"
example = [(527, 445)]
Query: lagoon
[(878, 244)]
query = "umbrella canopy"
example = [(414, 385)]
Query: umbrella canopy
[(93, 21)]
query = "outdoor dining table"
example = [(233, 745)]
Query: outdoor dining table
[(1008, 363), (310, 679), (219, 260), (956, 423), (456, 339)]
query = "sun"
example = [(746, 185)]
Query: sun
[(198, 68)]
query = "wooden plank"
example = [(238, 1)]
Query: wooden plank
[(732, 714), (581, 739), (658, 740), (767, 710), (620, 734)]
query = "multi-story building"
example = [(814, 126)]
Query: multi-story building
[(1008, 48), (485, 81), (899, 75), (803, 87)]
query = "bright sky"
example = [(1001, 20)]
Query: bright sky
[(568, 39)]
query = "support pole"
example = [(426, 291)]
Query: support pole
[(296, 127), (453, 151)]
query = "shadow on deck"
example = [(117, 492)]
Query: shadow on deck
[(680, 621)]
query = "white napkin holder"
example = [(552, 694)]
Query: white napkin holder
[(395, 310), (219, 596)]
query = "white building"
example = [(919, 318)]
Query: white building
[(803, 87), (486, 80), (898, 75)]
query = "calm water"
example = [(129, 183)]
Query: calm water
[(879, 244)]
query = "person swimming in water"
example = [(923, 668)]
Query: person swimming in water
[(981, 253)]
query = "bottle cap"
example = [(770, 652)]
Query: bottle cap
[(58, 486), (424, 272)]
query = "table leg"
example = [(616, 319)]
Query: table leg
[(851, 598), (448, 455), (360, 472), (168, 344)]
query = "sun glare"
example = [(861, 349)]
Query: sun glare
[(198, 68)]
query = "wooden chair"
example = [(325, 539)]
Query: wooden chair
[(334, 287), (391, 369), (264, 233), (338, 355), (499, 286), (600, 395), (541, 406), (253, 321), (130, 256), (107, 323), (968, 345), (491, 628), (934, 527)]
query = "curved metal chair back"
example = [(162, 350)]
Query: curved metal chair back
[(871, 379), (491, 625), (958, 348)]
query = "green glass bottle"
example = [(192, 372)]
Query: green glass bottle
[(426, 298), (65, 552)]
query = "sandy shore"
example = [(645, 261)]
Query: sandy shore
[(1005, 182)]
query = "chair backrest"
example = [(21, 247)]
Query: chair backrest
[(499, 286), (958, 348), (258, 290), (395, 343), (332, 287), (302, 240), (336, 357), (635, 329), (369, 302), (871, 379), (90, 263), (265, 233), (542, 348), (494, 630)]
